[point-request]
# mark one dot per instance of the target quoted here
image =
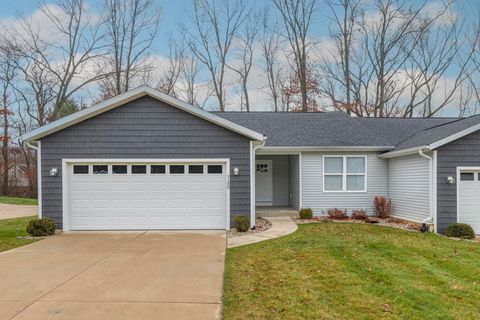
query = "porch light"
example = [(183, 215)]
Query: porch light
[(54, 172), (450, 180), (236, 171)]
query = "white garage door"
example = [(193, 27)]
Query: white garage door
[(129, 196), (469, 199)]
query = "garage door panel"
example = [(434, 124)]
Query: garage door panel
[(469, 201), (147, 201)]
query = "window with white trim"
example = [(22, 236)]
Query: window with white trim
[(344, 173)]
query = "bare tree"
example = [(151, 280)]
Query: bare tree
[(271, 46), (132, 26), (215, 23), (246, 42), (175, 65), (297, 17), (7, 75)]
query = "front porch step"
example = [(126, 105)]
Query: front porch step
[(276, 212)]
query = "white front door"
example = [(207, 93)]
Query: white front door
[(264, 183), (469, 199), (119, 196)]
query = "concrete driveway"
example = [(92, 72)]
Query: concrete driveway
[(9, 211), (115, 275)]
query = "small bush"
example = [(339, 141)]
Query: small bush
[(460, 230), (41, 227), (359, 215), (305, 213), (337, 214), (241, 223), (382, 207)]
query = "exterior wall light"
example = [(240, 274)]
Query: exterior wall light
[(54, 172), (236, 171), (451, 180)]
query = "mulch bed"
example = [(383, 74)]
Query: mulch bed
[(261, 225), (389, 222)]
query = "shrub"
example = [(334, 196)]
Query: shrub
[(337, 214), (382, 207), (359, 215), (241, 223), (460, 230), (41, 227), (305, 213)]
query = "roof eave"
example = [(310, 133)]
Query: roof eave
[(131, 95)]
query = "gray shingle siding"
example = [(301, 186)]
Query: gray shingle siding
[(149, 129), (461, 152)]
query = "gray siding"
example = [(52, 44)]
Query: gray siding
[(312, 184), (144, 128), (463, 152), (281, 185), (294, 175), (409, 187)]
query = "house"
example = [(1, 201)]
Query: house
[(144, 160)]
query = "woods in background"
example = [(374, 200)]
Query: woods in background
[(380, 58)]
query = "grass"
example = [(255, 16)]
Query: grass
[(11, 230), (353, 271), (22, 201)]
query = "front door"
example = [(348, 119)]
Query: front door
[(263, 183)]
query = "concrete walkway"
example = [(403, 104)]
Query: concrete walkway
[(281, 226), (10, 211), (115, 276)]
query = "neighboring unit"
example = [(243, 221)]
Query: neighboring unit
[(144, 160)]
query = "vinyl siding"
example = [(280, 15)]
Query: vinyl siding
[(312, 184), (281, 185), (409, 189), (150, 129), (464, 152), (294, 175)]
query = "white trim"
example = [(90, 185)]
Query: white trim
[(300, 201), (130, 96), (65, 179), (455, 136), (404, 152), (344, 174), (38, 148), (434, 172), (295, 150), (252, 186)]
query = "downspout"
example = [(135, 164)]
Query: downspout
[(429, 219), (252, 182), (37, 148)]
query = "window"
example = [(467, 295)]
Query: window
[(80, 169), (467, 176), (195, 169), (100, 169), (176, 169), (262, 168), (139, 169), (157, 169), (119, 169), (344, 174), (215, 169)]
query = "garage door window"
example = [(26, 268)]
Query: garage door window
[(467, 176), (80, 169), (119, 169), (215, 169), (195, 169), (100, 169), (157, 169), (177, 169), (139, 169)]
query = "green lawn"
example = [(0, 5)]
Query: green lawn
[(10, 229), (353, 271), (13, 200)]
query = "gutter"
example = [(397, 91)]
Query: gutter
[(431, 186)]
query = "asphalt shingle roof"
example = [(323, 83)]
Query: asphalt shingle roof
[(329, 129)]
